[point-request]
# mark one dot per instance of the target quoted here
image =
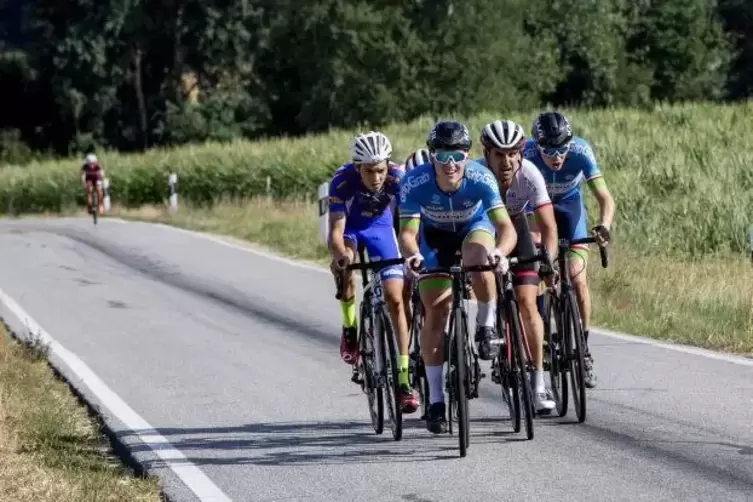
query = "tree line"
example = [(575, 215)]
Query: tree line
[(131, 74)]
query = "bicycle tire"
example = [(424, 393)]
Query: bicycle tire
[(366, 362), (577, 360), (555, 355), (507, 379), (460, 337), (516, 334), (418, 370), (391, 377), (95, 204)]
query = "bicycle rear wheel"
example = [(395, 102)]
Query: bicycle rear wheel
[(558, 364), (577, 359), (519, 366), (389, 358), (366, 367)]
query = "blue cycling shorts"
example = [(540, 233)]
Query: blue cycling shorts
[(380, 243), (441, 248), (570, 216)]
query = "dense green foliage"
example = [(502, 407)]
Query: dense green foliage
[(102, 74)]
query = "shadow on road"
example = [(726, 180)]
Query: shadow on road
[(314, 442)]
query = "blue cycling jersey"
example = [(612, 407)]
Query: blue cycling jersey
[(363, 208), (580, 163), (421, 197)]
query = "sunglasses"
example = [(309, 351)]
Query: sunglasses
[(447, 157), (555, 152)]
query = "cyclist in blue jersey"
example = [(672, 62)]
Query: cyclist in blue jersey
[(566, 161), (452, 204), (362, 199)]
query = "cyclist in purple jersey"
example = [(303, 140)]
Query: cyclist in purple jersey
[(566, 161), (362, 197)]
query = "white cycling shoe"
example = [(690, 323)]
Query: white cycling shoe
[(543, 402)]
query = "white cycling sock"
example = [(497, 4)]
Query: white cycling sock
[(539, 381), (486, 314), (434, 376)]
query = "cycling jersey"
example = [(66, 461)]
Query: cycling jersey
[(368, 215), (362, 207), (92, 172), (580, 164), (446, 219), (527, 187), (421, 197), (565, 185)]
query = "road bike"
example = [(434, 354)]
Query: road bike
[(565, 348), (463, 370), (376, 369)]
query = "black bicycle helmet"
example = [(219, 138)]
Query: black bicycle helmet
[(551, 129), (449, 135)]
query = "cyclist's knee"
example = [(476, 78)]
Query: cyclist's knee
[(476, 248)]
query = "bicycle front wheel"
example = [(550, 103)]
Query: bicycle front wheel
[(391, 378), (553, 334), (519, 365), (577, 359), (367, 368), (460, 380)]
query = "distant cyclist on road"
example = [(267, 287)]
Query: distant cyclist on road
[(91, 172), (566, 161), (362, 196), (457, 203), (521, 183)]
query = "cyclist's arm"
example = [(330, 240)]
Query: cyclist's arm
[(337, 216), (410, 219), (597, 185), (604, 197), (547, 226)]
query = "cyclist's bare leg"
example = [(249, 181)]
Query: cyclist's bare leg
[(436, 297), (349, 338), (476, 248), (577, 264), (101, 198), (393, 295)]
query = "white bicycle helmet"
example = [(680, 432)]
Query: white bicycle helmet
[(503, 134), (370, 147), (91, 158), (416, 159)]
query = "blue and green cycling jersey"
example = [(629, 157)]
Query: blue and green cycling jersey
[(478, 194)]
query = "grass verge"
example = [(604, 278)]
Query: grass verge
[(705, 302), (51, 449)]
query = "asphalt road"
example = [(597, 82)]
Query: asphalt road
[(233, 357)]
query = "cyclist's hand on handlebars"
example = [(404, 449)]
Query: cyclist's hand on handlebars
[(341, 260), (413, 264), (497, 258), (601, 233)]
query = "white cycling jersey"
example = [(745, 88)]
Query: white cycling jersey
[(528, 187)]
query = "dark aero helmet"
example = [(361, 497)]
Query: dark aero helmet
[(449, 135), (551, 129)]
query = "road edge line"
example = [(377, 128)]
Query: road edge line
[(22, 327)]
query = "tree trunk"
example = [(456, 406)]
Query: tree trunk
[(139, 90)]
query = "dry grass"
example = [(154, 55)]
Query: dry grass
[(706, 302), (50, 449)]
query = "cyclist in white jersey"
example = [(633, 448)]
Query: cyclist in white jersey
[(521, 183)]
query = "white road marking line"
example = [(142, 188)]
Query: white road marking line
[(22, 324)]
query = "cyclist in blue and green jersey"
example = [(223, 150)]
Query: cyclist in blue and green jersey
[(566, 161), (447, 205)]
